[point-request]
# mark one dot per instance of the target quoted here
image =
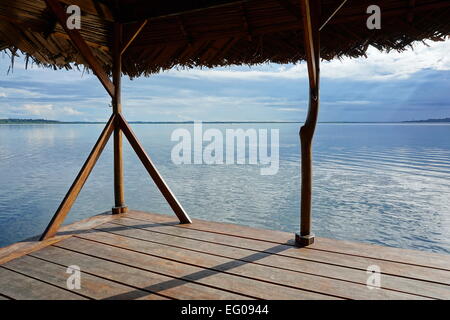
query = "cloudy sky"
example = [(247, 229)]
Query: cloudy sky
[(384, 87)]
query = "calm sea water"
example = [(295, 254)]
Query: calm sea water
[(387, 184)]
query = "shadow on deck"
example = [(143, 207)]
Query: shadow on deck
[(150, 256)]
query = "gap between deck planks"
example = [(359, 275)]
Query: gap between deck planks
[(406, 256), (177, 242), (336, 259), (245, 266), (19, 286), (92, 287), (182, 271), (150, 256)]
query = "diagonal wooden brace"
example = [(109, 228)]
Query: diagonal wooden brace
[(81, 45), (154, 173), (133, 36), (80, 180)]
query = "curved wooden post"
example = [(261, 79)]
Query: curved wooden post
[(117, 109), (311, 21)]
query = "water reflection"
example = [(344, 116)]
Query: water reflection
[(385, 184)]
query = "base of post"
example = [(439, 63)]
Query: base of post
[(304, 241), (118, 210)]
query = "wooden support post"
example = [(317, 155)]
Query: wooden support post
[(80, 180), (311, 21), (151, 169), (117, 109), (116, 124)]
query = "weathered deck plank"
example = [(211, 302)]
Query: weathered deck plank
[(415, 257), (338, 259), (92, 287), (18, 286), (412, 286), (150, 256), (219, 280), (245, 268), (125, 274)]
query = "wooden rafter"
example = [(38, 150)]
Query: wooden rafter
[(81, 45), (134, 35), (333, 14)]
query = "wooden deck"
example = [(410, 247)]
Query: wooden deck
[(149, 256)]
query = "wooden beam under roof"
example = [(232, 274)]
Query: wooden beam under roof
[(133, 36), (82, 46)]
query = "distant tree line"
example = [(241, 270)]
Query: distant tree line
[(26, 121), (432, 120)]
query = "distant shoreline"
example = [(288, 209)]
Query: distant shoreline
[(43, 121), (444, 120)]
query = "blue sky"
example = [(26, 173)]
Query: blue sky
[(384, 87)]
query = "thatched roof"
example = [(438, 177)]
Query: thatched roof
[(188, 33)]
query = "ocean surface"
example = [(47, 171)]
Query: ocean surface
[(386, 184)]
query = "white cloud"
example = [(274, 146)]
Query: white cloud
[(393, 65), (36, 93), (348, 102), (229, 74), (194, 100), (378, 66), (289, 109), (47, 111), (70, 111), (38, 110), (11, 92), (189, 105)]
